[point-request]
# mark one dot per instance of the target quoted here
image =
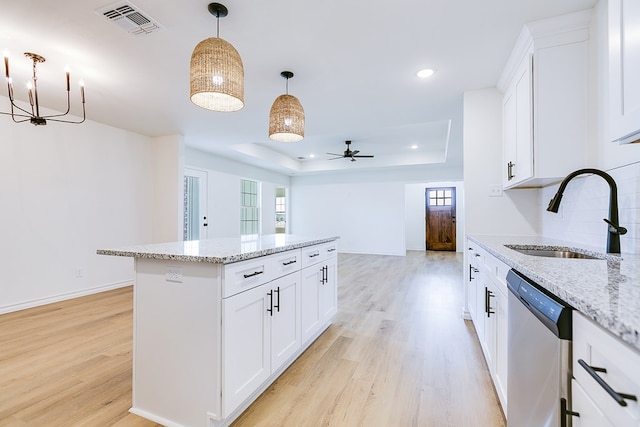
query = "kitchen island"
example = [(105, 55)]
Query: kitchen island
[(217, 321)]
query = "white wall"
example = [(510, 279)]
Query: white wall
[(368, 217), (223, 192), (516, 212), (366, 209), (415, 228), (67, 190), (168, 193)]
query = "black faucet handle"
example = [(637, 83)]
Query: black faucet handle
[(615, 228)]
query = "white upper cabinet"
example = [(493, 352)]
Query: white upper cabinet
[(545, 86), (624, 69)]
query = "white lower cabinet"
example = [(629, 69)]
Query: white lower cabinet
[(261, 332), (606, 385), (487, 302), (589, 413), (319, 295)]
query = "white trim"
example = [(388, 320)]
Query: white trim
[(62, 297), (148, 415)]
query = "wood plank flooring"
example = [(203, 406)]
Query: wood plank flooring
[(398, 354)]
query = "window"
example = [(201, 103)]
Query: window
[(249, 209), (281, 210), (440, 197)]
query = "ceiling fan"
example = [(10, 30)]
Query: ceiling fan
[(348, 154)]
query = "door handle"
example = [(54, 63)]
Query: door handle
[(489, 296), (270, 309), (277, 306), (618, 397)]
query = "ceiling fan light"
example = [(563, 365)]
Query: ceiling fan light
[(286, 119), (217, 76)]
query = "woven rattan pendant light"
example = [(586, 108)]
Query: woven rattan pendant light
[(217, 74), (286, 119)]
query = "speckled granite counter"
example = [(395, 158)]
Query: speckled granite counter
[(221, 250), (604, 290)]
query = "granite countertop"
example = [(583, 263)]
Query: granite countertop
[(607, 291), (222, 250)]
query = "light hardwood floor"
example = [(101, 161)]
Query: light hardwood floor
[(397, 354)]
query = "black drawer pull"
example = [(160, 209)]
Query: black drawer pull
[(293, 261), (331, 250), (314, 255), (255, 273), (618, 397)]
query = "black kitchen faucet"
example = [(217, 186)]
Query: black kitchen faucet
[(613, 237)]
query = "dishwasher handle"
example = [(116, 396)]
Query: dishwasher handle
[(618, 397)]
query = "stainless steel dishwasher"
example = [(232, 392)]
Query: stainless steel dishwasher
[(539, 356)]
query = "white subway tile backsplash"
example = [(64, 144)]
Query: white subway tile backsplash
[(586, 202)]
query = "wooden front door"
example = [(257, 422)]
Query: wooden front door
[(440, 219)]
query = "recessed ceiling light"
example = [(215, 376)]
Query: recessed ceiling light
[(427, 72), (312, 156), (414, 146)]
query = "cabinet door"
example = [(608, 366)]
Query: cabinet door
[(490, 325), (285, 319), (328, 303), (309, 297), (246, 345), (501, 336), (523, 168), (472, 291), (481, 309), (590, 414), (509, 136), (624, 69)]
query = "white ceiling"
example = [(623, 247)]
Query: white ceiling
[(354, 64)]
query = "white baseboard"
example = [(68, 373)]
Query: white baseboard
[(56, 298)]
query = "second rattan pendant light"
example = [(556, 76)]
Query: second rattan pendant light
[(286, 118), (217, 73)]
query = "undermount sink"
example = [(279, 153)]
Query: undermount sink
[(545, 251)]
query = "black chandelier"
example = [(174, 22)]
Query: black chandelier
[(34, 116)]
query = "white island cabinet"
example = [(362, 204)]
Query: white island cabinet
[(217, 321)]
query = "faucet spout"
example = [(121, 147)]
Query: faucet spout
[(614, 228)]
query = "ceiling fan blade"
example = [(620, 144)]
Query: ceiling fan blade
[(363, 155), (334, 154), (355, 152), (334, 158), (352, 159)]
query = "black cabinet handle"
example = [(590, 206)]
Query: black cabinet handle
[(325, 275), (618, 397), (510, 174), (470, 270), (489, 296), (255, 273), (293, 261), (331, 250), (314, 255), (277, 306), (270, 309), (565, 413), (486, 300)]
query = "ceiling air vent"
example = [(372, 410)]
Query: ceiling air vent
[(130, 18)]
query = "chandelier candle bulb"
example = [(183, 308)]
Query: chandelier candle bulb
[(82, 91), (6, 65), (67, 72), (29, 87)]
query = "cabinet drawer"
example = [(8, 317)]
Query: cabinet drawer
[(286, 262), (329, 250), (599, 349), (243, 275), (312, 255)]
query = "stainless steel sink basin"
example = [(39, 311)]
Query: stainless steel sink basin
[(551, 252)]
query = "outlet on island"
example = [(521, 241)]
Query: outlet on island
[(174, 274)]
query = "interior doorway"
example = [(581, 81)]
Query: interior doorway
[(195, 221), (440, 219)]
